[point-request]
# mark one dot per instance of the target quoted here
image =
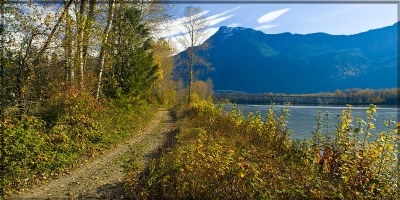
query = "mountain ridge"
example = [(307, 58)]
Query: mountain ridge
[(323, 33), (248, 60)]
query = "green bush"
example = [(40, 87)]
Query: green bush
[(24, 149), (361, 165), (72, 127), (225, 156)]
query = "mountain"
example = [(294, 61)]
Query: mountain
[(251, 61)]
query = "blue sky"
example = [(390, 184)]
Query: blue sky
[(306, 18), (337, 19)]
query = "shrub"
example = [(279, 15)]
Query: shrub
[(72, 118), (363, 166), (225, 156), (24, 149)]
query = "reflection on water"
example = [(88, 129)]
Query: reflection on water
[(302, 118)]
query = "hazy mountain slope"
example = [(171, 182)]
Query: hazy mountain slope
[(248, 60)]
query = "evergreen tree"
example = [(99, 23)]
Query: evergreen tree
[(133, 71)]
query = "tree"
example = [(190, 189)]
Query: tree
[(31, 32), (88, 29), (81, 19), (203, 90), (195, 26), (2, 98), (104, 42), (68, 65), (164, 89), (133, 71)]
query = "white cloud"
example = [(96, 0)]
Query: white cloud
[(233, 25), (218, 20), (175, 27), (174, 31), (271, 16), (267, 26), (222, 14), (179, 47)]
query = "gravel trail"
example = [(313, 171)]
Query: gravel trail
[(102, 177)]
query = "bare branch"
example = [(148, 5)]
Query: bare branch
[(60, 19)]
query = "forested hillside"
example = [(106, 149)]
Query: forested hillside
[(247, 60), (76, 78)]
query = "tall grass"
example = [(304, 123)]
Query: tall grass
[(225, 156)]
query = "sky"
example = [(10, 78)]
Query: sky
[(337, 19)]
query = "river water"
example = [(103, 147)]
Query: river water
[(302, 121)]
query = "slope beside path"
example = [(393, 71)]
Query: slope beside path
[(102, 177)]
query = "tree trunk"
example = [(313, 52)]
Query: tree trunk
[(47, 42), (2, 102), (23, 65), (2, 69), (88, 31), (79, 44), (190, 82), (104, 43), (191, 57), (68, 51), (20, 91)]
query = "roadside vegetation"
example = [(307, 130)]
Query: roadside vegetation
[(76, 78), (75, 82), (220, 155), (35, 149)]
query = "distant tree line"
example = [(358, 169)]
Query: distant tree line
[(339, 97)]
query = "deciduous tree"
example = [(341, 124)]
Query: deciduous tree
[(195, 26)]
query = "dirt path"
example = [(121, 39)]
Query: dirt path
[(101, 178)]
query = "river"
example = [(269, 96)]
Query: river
[(302, 121)]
